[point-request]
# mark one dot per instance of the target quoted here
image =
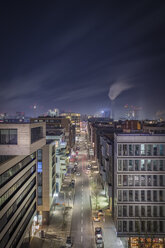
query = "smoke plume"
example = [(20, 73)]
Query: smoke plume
[(117, 88)]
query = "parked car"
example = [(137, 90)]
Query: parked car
[(98, 230), (78, 173), (69, 242), (99, 240), (96, 219)]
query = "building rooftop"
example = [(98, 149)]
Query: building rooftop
[(140, 134)]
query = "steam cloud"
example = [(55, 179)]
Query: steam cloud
[(117, 88)]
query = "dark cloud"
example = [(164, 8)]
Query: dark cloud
[(66, 54)]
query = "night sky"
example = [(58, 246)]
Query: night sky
[(66, 54)]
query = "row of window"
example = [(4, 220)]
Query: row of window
[(141, 211), (141, 196), (15, 187), (10, 212), (141, 180), (141, 165), (141, 149), (10, 173), (17, 220), (139, 227), (8, 136), (23, 227)]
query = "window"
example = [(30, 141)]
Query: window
[(161, 195), (36, 134), (142, 165), (125, 165), (131, 165), (155, 150), (137, 180), (155, 165), (155, 211), (142, 211), (149, 225), (161, 226), (119, 180), (119, 165), (125, 180), (119, 150), (119, 195), (161, 180), (130, 195), (119, 211), (149, 165), (149, 150), (120, 226), (130, 180), (148, 195), (161, 212), (130, 211), (124, 211), (8, 136), (155, 195), (124, 195), (155, 226), (130, 226), (124, 226), (155, 181), (125, 152), (143, 226), (142, 150), (161, 150), (149, 182), (161, 165), (137, 150), (136, 211), (142, 195), (130, 150), (137, 165), (143, 180), (148, 211), (136, 195), (137, 226)]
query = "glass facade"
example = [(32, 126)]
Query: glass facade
[(8, 136), (36, 134), (140, 189), (13, 171)]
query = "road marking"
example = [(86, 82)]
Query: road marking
[(82, 214), (81, 229), (82, 208), (81, 222), (81, 239), (82, 189)]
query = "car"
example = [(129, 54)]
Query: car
[(98, 230), (78, 173), (69, 242), (100, 212), (96, 219), (99, 240)]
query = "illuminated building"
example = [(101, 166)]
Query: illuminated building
[(139, 179)]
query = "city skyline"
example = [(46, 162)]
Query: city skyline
[(68, 54)]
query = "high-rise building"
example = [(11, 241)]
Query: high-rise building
[(139, 179), (18, 169)]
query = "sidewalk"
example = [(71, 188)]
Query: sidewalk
[(106, 221), (59, 225)]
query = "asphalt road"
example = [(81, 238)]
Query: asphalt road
[(81, 227)]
